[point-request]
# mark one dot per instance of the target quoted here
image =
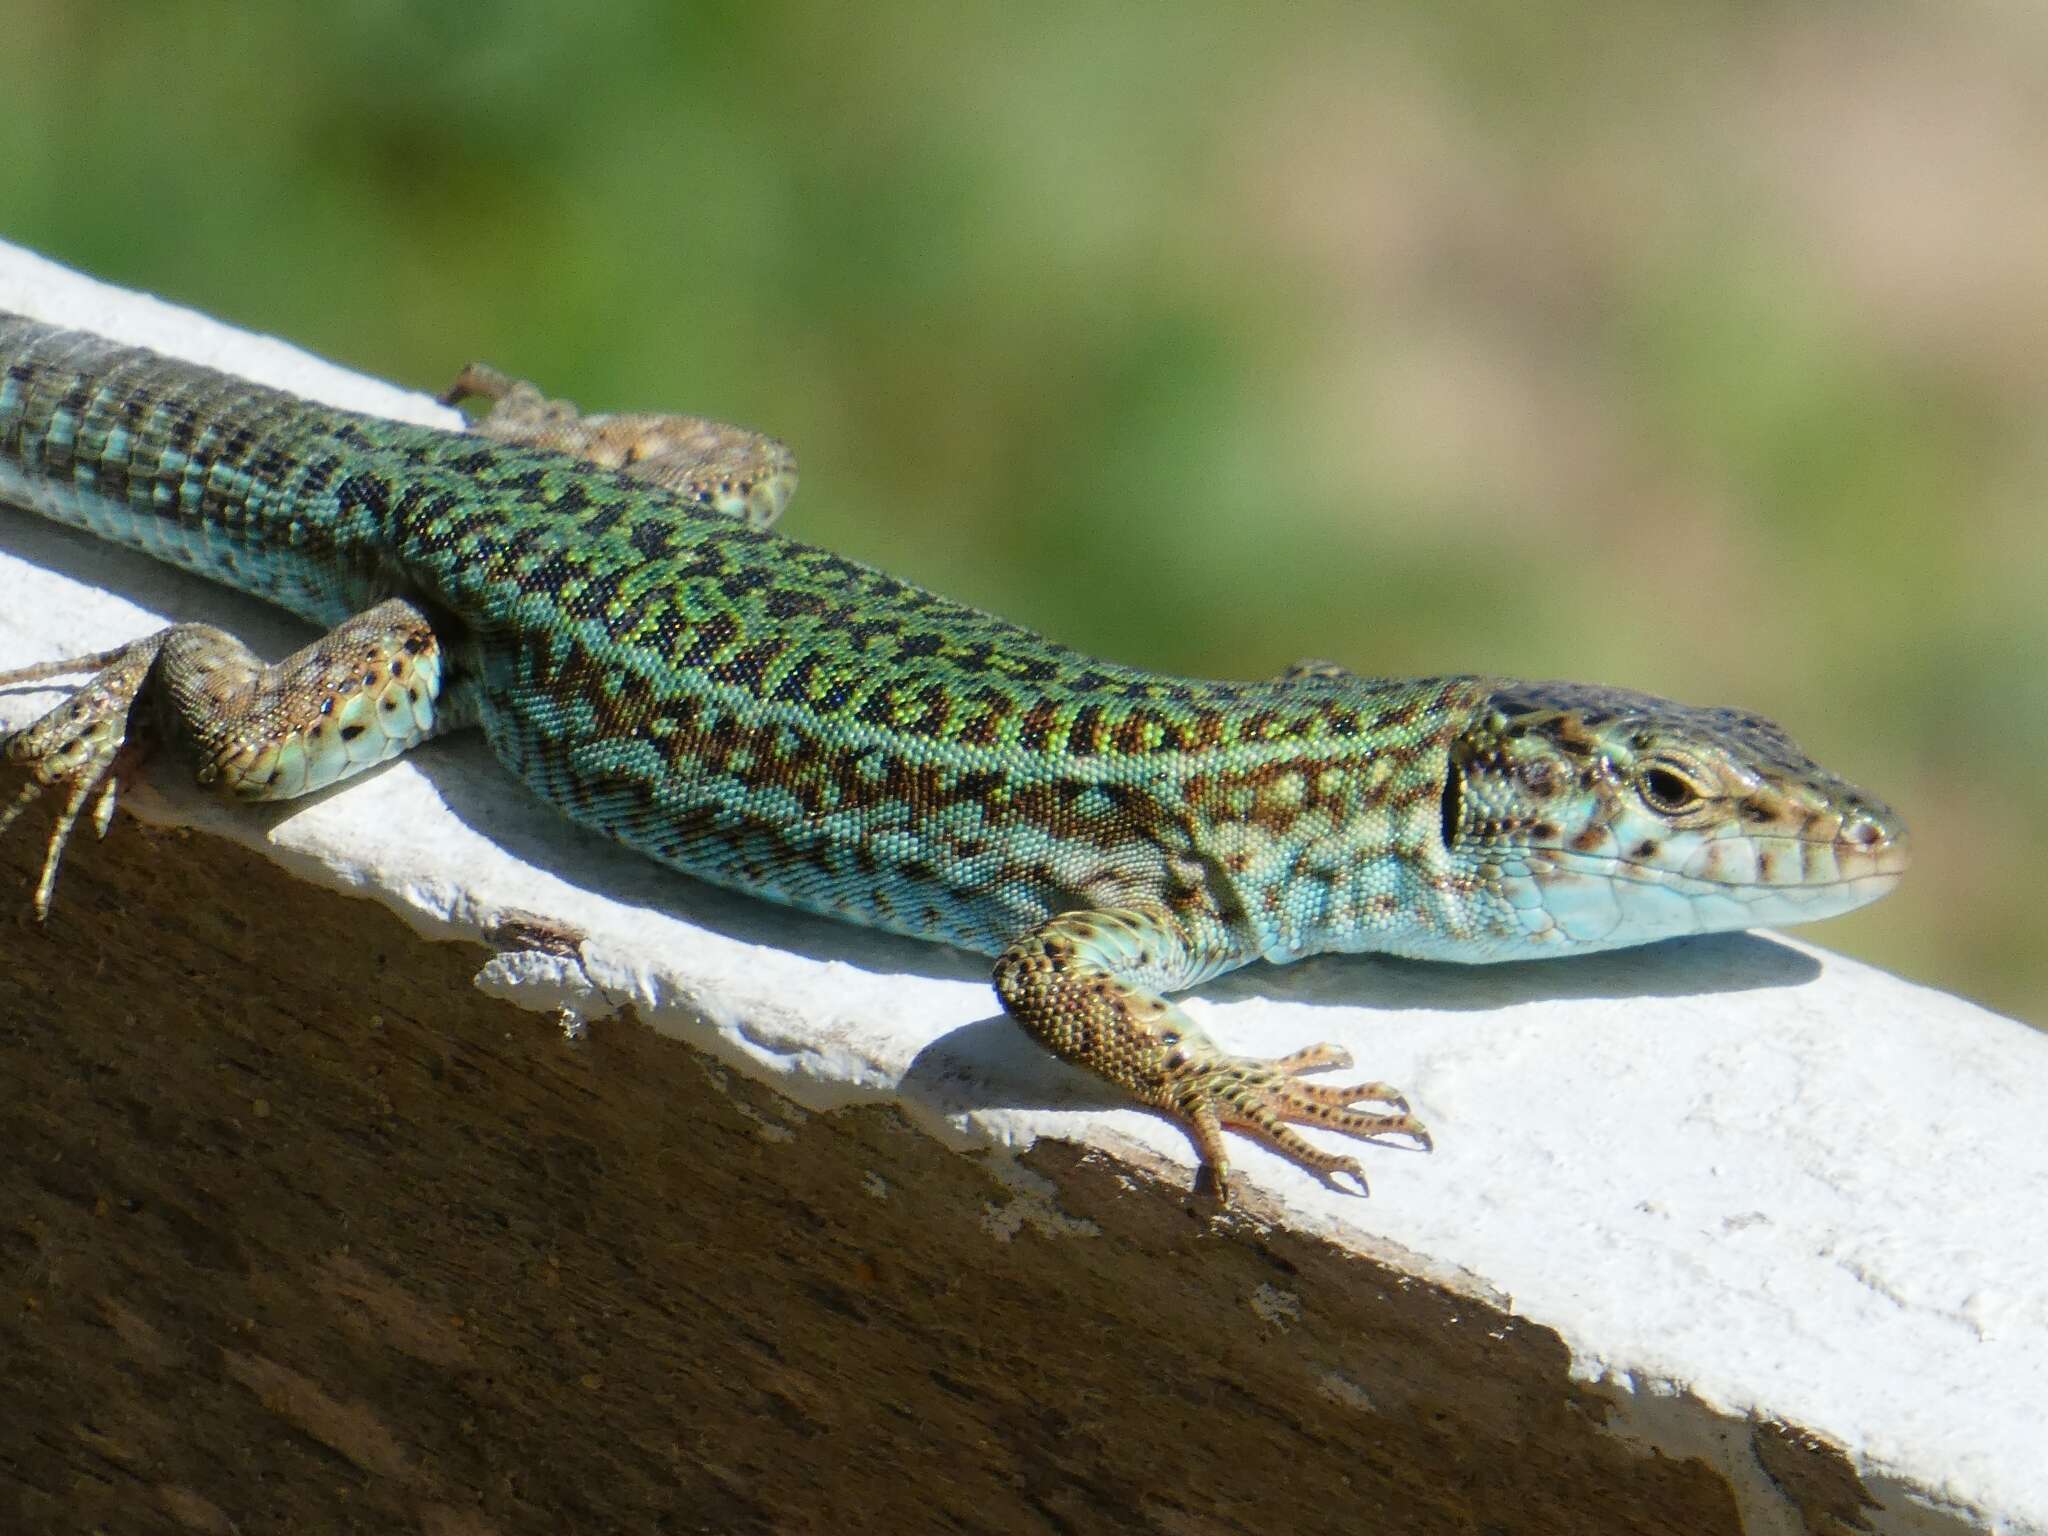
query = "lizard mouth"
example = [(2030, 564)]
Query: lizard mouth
[(1768, 882)]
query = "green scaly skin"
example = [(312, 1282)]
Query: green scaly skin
[(782, 721)]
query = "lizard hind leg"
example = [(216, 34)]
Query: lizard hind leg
[(734, 471), (1081, 985), (363, 692)]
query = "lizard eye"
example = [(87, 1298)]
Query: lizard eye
[(1664, 789)]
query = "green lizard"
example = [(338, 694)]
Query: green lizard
[(603, 598)]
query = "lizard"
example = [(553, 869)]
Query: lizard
[(606, 598)]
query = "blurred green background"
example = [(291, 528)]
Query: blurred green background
[(1693, 348)]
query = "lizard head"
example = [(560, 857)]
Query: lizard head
[(1601, 817)]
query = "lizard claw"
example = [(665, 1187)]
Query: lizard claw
[(1265, 1099), (79, 746)]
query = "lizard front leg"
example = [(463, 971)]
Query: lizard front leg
[(360, 694), (1083, 985)]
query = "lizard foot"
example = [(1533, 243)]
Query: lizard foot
[(733, 471), (1264, 1098), (81, 746), (1081, 984)]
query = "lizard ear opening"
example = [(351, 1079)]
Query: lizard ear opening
[(1452, 801)]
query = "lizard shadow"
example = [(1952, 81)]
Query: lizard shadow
[(991, 1064)]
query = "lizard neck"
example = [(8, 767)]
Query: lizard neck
[(1343, 850)]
